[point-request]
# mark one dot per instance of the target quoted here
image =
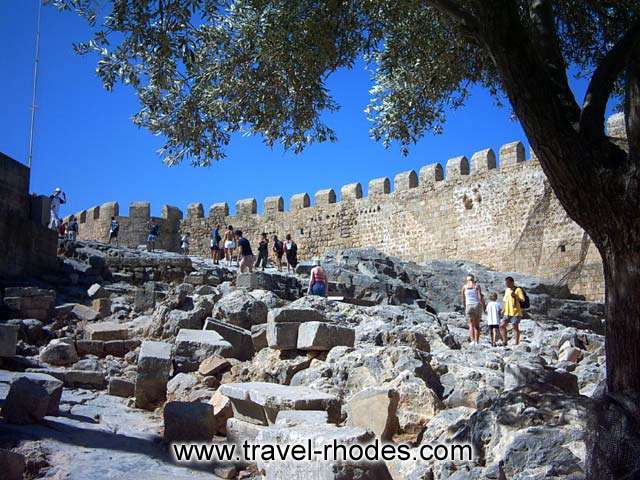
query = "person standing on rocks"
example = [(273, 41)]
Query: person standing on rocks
[(114, 230), (473, 304), (56, 200), (493, 317), (154, 231), (229, 244), (245, 253), (72, 229), (291, 250), (214, 242), (278, 249), (511, 310), (184, 244), (317, 280), (263, 251)]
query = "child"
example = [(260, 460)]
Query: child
[(493, 317)]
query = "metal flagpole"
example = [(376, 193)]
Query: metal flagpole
[(35, 84)]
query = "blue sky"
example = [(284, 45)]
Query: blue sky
[(86, 143)]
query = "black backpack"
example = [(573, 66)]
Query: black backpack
[(525, 303)]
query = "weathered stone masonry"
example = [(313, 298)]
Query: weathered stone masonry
[(505, 217)]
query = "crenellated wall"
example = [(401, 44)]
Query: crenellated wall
[(497, 210), (94, 224), (505, 216)]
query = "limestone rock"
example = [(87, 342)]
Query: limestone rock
[(84, 313), (105, 331), (31, 397), (240, 309), (239, 338), (121, 387), (188, 422), (324, 336), (193, 346), (282, 336), (375, 409), (222, 411), (59, 352), (8, 340), (214, 365), (97, 291), (154, 368)]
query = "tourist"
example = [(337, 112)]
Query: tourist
[(263, 251), (278, 249), (72, 229), (291, 251), (114, 229), (473, 306), (493, 317), (154, 231), (245, 253), (229, 244), (56, 199), (62, 231), (214, 242), (513, 299), (184, 244), (317, 280)]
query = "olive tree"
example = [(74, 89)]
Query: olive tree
[(206, 69)]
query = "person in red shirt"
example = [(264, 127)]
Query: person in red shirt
[(317, 280)]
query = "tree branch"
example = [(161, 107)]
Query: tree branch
[(545, 35), (603, 80), (454, 11)]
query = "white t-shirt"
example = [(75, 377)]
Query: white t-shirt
[(493, 313)]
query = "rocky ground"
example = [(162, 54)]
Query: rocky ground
[(123, 352)]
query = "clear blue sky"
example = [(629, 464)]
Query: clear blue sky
[(86, 143)]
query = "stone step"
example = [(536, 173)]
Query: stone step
[(106, 331)]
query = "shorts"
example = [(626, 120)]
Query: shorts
[(229, 244), (152, 238), (494, 327), (513, 320), (246, 261), (113, 234), (214, 245), (473, 312)]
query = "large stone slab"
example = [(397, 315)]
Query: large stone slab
[(84, 313), (241, 309), (324, 336), (8, 340), (188, 422), (282, 336), (193, 346), (285, 286), (297, 417), (319, 468), (375, 409), (260, 402), (239, 431), (31, 397), (239, 338), (106, 331), (295, 314), (154, 369), (59, 352)]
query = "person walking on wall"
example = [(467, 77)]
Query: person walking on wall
[(72, 229), (184, 244), (56, 200), (229, 244), (473, 304), (245, 253), (493, 310), (154, 231), (278, 249), (263, 251), (317, 280), (214, 243), (512, 309), (114, 229), (291, 250)]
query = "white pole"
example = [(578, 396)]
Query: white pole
[(35, 84)]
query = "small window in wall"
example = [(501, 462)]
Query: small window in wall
[(563, 248), (302, 231)]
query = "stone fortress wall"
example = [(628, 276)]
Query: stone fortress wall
[(499, 211)]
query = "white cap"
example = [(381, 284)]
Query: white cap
[(58, 189)]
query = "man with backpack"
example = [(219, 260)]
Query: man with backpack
[(513, 304)]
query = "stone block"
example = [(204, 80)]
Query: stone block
[(195, 210), (8, 340), (379, 186), (259, 337), (90, 347), (59, 352), (325, 197), (115, 348), (121, 387), (483, 161), (102, 306), (214, 365), (239, 431), (239, 338), (457, 167), (247, 206), (324, 336), (297, 417), (431, 173), (282, 336), (241, 309), (31, 397), (84, 313), (511, 154), (376, 410), (222, 411), (105, 331), (188, 422), (297, 315), (193, 346), (97, 291), (405, 181), (352, 191), (299, 201), (154, 369), (274, 204), (219, 210), (259, 402), (93, 379)]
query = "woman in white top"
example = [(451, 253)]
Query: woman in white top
[(473, 304)]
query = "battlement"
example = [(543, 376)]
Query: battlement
[(94, 223)]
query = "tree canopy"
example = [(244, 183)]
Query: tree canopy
[(206, 69)]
